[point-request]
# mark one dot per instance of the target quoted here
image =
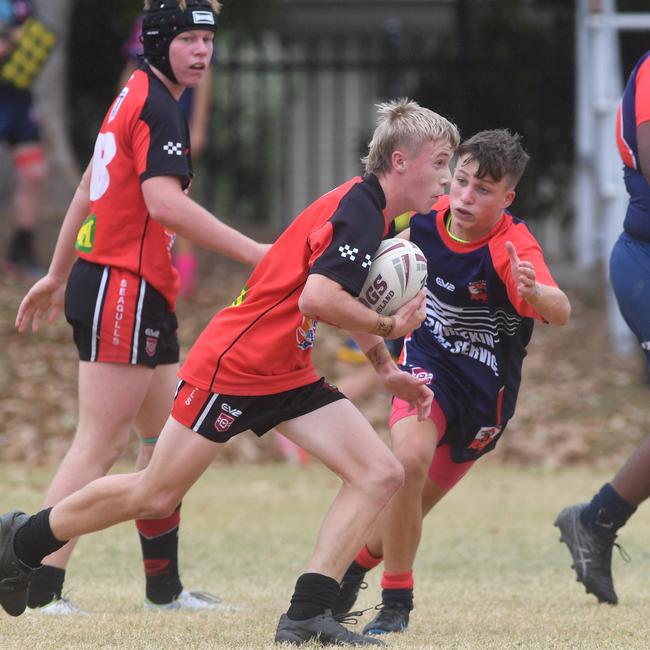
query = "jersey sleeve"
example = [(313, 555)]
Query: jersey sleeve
[(344, 245), (528, 249), (161, 142)]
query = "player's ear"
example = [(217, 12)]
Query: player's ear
[(398, 159), (508, 198)]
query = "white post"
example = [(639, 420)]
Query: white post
[(585, 204), (609, 87)]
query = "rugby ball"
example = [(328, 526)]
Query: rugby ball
[(397, 272)]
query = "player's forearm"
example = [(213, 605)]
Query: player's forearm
[(551, 303), (187, 218), (327, 301), (65, 252)]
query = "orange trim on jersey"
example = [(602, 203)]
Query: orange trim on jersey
[(464, 247), (499, 406), (624, 149), (29, 156), (642, 93), (119, 308), (528, 249)]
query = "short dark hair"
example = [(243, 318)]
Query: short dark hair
[(498, 152)]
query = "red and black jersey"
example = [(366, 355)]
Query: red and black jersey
[(473, 341), (261, 344), (144, 134)]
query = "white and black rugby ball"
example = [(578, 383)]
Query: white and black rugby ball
[(398, 271)]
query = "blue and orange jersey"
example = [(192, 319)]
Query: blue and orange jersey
[(473, 341), (262, 343), (144, 135), (634, 109)]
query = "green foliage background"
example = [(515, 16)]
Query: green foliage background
[(98, 32)]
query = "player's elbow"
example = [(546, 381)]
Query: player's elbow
[(162, 211), (164, 198), (562, 313), (310, 303)]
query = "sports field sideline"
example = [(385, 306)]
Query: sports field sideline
[(490, 572)]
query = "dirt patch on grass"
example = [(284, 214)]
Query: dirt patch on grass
[(578, 402)]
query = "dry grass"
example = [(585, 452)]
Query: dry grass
[(490, 573)]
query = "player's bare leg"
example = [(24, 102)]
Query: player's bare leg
[(29, 161), (180, 457), (109, 398), (343, 440), (30, 173), (340, 436), (431, 496), (632, 482), (371, 555), (414, 444)]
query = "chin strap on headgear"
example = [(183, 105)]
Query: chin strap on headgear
[(166, 20)]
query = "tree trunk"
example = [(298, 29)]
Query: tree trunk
[(50, 95)]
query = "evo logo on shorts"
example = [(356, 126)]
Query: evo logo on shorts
[(226, 417)]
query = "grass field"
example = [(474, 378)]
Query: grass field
[(490, 573)]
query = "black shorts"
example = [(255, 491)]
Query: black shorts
[(220, 417), (118, 317)]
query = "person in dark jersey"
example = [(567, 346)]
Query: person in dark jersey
[(19, 129), (590, 529), (487, 283), (112, 269), (251, 368)]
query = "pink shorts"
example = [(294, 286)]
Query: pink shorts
[(443, 472)]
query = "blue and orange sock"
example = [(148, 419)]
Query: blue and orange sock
[(397, 588)]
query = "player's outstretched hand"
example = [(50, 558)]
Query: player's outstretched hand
[(45, 297), (523, 274), (412, 390), (409, 316)]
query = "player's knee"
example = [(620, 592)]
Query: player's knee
[(98, 451), (386, 478), (415, 463), (156, 504), (32, 173)]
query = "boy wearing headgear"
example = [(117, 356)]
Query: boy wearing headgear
[(111, 271)]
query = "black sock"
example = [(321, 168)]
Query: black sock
[(607, 512), (46, 586), (314, 593), (35, 539), (160, 555), (403, 596), (21, 246), (355, 570)]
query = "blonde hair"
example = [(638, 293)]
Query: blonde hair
[(182, 5), (404, 124)]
